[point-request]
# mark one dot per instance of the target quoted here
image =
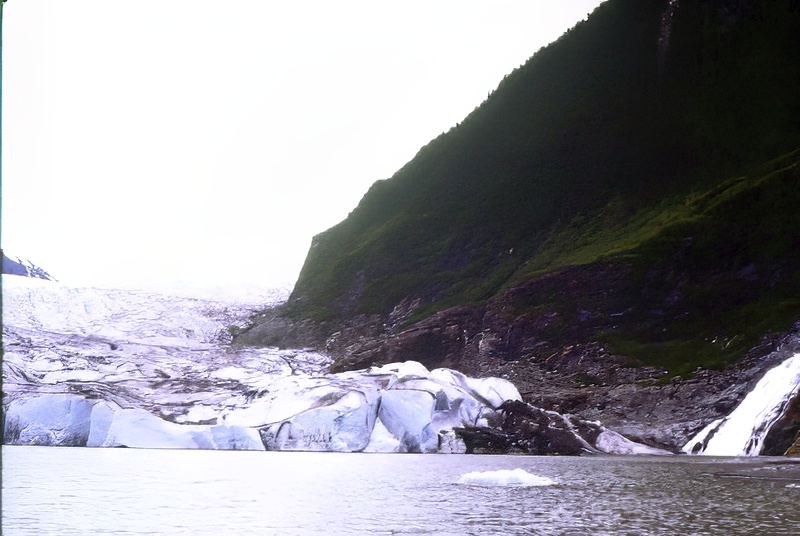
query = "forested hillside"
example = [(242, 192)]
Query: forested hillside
[(655, 135)]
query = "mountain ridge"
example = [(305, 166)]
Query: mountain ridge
[(25, 268)]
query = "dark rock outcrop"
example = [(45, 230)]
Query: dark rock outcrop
[(17, 266), (528, 429), (531, 430), (785, 432)]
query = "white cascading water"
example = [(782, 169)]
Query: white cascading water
[(742, 432)]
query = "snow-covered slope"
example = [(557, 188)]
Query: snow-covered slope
[(16, 266)]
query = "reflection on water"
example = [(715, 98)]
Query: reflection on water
[(50, 490)]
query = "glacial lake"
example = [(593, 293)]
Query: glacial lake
[(52, 490)]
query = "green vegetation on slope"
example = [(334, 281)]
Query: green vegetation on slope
[(712, 271), (588, 152)]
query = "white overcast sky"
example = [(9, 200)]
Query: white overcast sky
[(199, 141)]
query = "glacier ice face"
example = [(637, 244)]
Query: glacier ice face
[(135, 427), (327, 412), (343, 425), (71, 420), (109, 367), (49, 420), (401, 407), (407, 415)]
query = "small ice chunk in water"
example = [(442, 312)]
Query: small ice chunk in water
[(504, 477)]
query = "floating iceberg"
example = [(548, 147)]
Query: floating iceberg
[(506, 478)]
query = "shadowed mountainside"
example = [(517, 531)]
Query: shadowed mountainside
[(594, 151)]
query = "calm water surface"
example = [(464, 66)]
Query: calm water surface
[(49, 490)]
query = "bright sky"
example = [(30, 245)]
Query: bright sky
[(200, 141)]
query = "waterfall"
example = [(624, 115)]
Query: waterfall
[(742, 432), (663, 34)]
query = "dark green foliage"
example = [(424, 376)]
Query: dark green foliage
[(601, 147), (726, 270)]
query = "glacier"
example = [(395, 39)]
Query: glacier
[(102, 367)]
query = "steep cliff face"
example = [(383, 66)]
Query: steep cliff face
[(614, 229)]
